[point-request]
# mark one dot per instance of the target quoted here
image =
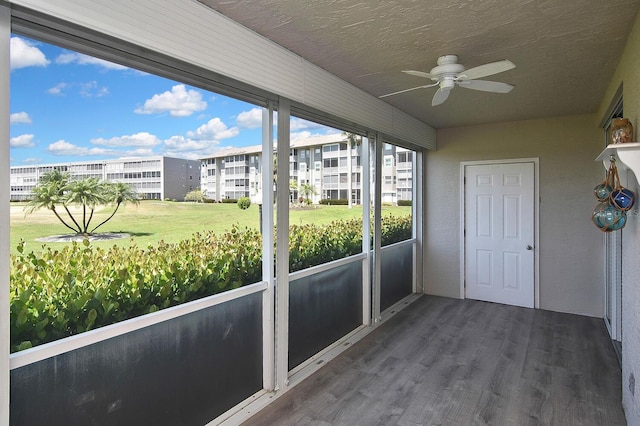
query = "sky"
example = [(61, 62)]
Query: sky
[(66, 106)]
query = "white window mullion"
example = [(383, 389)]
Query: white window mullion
[(377, 218), (5, 35), (365, 195), (282, 246)]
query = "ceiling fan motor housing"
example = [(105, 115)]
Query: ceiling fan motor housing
[(450, 69), (447, 83)]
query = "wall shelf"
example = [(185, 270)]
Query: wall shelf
[(627, 156)]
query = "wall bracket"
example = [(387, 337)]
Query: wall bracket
[(627, 156)]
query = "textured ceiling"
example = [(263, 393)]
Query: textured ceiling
[(565, 51)]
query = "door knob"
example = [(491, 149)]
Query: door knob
[(529, 247)]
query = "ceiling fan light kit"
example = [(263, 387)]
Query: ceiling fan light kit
[(449, 73)]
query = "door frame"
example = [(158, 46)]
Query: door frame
[(536, 220)]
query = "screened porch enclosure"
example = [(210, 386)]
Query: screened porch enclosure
[(221, 357)]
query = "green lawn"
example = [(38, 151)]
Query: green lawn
[(152, 221)]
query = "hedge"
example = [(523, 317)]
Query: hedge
[(404, 202), (334, 201), (58, 293)]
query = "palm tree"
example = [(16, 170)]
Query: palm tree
[(86, 193), (57, 188), (47, 196), (306, 190), (59, 182), (293, 189), (353, 140), (119, 193)]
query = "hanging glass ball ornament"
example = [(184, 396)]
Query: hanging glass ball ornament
[(608, 218), (622, 199), (602, 191)]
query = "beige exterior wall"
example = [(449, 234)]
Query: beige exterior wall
[(628, 74), (570, 248)]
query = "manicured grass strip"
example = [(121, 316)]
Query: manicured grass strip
[(153, 221)]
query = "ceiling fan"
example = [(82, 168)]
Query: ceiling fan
[(449, 72)]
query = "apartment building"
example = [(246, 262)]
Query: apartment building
[(329, 165), (156, 178)]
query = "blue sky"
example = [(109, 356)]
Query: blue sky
[(66, 106)]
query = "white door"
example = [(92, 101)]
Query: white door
[(499, 233)]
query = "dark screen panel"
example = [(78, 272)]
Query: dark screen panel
[(323, 308), (183, 371), (396, 274)]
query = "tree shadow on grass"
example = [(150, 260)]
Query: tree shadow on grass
[(138, 234), (98, 236)]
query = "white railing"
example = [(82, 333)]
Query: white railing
[(48, 350)]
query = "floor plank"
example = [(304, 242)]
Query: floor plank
[(462, 362)]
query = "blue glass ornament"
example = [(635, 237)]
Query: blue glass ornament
[(602, 191), (622, 199), (608, 218)]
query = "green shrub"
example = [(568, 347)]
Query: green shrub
[(61, 292), (229, 200), (194, 196), (58, 293), (208, 200), (404, 202), (334, 202), (395, 229), (244, 203)]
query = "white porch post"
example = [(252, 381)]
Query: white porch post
[(282, 246), (417, 212), (5, 34)]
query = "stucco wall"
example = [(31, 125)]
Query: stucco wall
[(570, 248), (628, 74)]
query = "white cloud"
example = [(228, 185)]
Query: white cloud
[(57, 89), (251, 119), (32, 160), (24, 54), (294, 136), (22, 141), (142, 139), (91, 89), (88, 90), (81, 59), (20, 117), (301, 124), (62, 147), (214, 129), (182, 144), (140, 152), (179, 102), (188, 155)]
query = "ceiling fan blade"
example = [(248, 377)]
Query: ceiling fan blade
[(408, 90), (440, 96), (486, 69), (421, 74), (486, 86)]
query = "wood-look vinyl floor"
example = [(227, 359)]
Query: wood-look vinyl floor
[(462, 362)]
